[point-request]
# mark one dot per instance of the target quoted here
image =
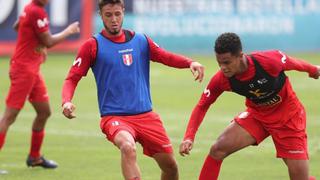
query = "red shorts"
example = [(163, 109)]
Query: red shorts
[(290, 138), (26, 85), (146, 128)]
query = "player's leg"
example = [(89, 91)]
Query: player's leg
[(242, 132), (127, 146), (231, 140), (291, 144), (8, 118), (21, 84), (40, 102), (121, 134), (168, 166), (298, 169), (156, 143)]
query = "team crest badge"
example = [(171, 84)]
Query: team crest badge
[(127, 59)]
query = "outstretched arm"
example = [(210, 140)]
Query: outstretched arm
[(291, 63), (317, 74), (160, 55), (49, 40), (217, 85)]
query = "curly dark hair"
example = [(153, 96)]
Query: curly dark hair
[(228, 42), (102, 3)]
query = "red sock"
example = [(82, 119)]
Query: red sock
[(36, 142), (210, 169), (312, 178), (2, 139)]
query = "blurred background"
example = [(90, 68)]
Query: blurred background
[(182, 26), (186, 25)]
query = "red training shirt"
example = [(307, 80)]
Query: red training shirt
[(29, 52), (273, 62)]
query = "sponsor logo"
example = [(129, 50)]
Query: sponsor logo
[(262, 81), (42, 23), (127, 59), (77, 62), (243, 115), (296, 152), (166, 145), (207, 92), (115, 123), (273, 101), (257, 93), (284, 57), (125, 50)]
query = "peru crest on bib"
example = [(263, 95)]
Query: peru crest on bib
[(127, 59)]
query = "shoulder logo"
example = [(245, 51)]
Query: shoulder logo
[(77, 62), (42, 23), (207, 92), (284, 57), (127, 59)]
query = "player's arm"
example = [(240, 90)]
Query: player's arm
[(50, 40), (291, 63), (303, 66), (85, 59), (160, 55), (209, 96)]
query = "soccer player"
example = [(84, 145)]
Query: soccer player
[(120, 59), (273, 108), (34, 38)]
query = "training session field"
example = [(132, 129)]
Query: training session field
[(82, 151)]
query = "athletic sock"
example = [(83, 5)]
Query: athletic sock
[(36, 142), (2, 139), (312, 178), (210, 169)]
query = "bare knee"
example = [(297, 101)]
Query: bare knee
[(170, 168), (219, 150), (298, 169), (128, 150), (44, 115), (8, 119)]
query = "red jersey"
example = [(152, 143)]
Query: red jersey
[(273, 62), (29, 51), (87, 55)]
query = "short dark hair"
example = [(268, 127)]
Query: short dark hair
[(228, 42), (102, 3)]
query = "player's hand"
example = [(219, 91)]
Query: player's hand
[(197, 70), (185, 147), (73, 28), (316, 75), (68, 110)]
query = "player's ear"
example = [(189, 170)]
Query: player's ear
[(100, 13)]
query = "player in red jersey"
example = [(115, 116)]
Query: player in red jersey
[(34, 38), (272, 107), (120, 58)]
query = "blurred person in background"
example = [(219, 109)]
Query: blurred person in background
[(34, 37), (120, 62), (273, 108)]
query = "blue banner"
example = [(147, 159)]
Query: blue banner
[(192, 26)]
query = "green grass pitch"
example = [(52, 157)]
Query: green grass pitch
[(83, 152)]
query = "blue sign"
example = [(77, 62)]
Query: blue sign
[(193, 26)]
